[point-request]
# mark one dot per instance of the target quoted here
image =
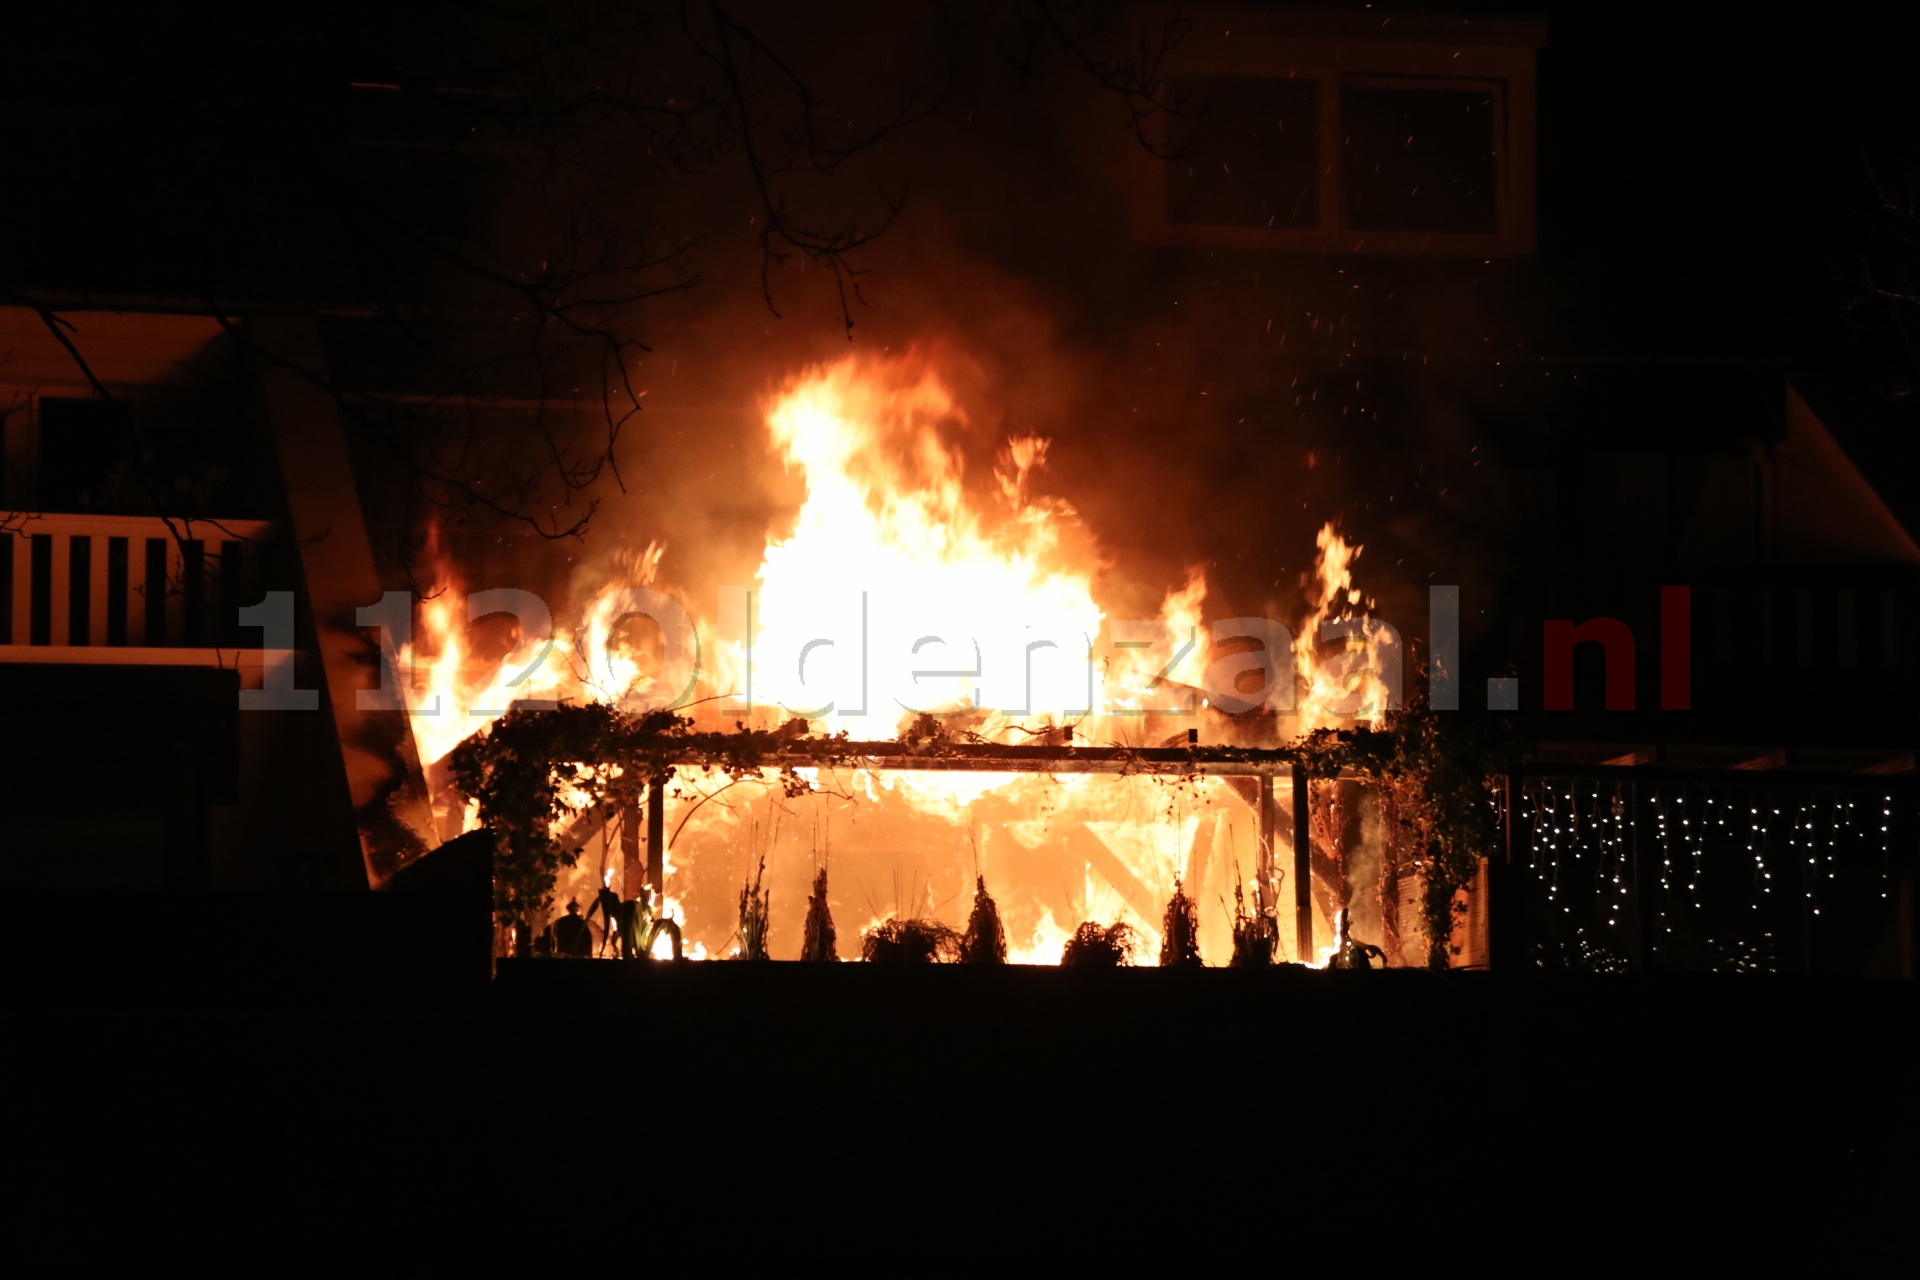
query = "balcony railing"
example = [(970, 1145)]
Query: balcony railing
[(139, 589)]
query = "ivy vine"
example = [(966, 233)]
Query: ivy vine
[(536, 772), (1436, 773)]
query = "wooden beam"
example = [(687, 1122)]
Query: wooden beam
[(1083, 842), (1200, 858), (657, 844), (1269, 839), (630, 867), (1302, 866), (585, 827), (1056, 758)]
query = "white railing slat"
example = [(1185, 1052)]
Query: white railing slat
[(22, 606), (60, 529), (62, 568), (97, 592)]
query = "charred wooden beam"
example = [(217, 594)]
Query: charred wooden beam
[(1086, 843), (657, 846), (585, 827), (1044, 758), (1302, 865), (630, 848), (1269, 837)]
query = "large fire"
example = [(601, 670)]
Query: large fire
[(999, 603), (901, 591)]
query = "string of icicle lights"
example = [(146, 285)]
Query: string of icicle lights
[(1719, 865)]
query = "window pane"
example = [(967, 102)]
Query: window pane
[(81, 442), (1419, 159), (1251, 153)]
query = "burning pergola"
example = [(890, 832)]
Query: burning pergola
[(1066, 831)]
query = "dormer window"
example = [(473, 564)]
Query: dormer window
[(1316, 133)]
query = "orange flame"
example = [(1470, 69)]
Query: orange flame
[(1348, 687), (977, 604)]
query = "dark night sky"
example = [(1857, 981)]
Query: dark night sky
[(1702, 154)]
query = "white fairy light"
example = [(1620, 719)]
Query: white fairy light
[(1886, 826)]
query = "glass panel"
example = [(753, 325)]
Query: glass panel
[(1420, 159), (1250, 156)]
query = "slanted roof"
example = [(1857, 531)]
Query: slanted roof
[(1826, 509)]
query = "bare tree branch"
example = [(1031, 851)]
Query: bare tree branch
[(1136, 79), (60, 329)]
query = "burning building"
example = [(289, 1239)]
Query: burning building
[(1242, 429)]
